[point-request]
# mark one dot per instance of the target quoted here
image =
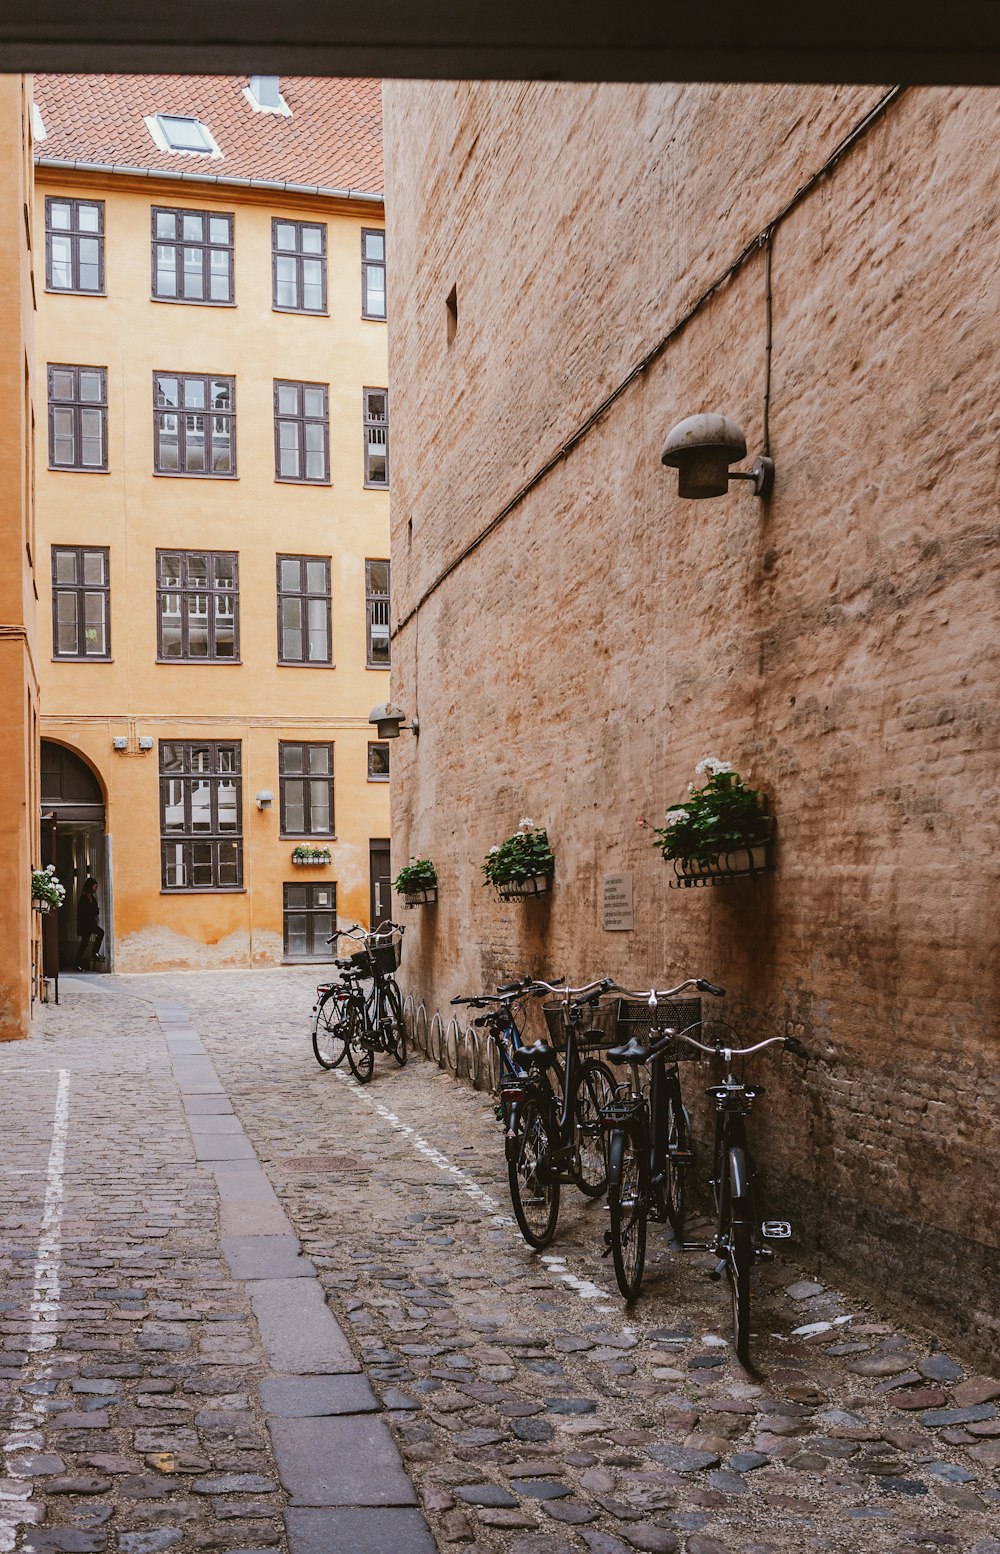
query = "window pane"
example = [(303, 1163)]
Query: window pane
[(380, 646), (292, 758), (95, 626), (375, 406), (296, 942), (201, 863), (378, 760), (166, 224), (229, 863), (171, 758), (63, 437), (222, 449), (92, 439), (319, 650), (194, 280), (66, 566), (94, 570), (378, 577), (285, 235), (194, 393), (290, 575), (312, 284), (218, 229), (319, 759), (228, 758), (201, 806), (169, 453), (289, 462), (91, 386), (324, 896), (312, 240), (319, 806), (67, 636), (173, 804), (89, 217), (375, 290), (60, 214), (294, 805), (228, 819), (194, 443), (222, 394), (315, 402), (90, 271), (174, 871), (63, 383), (170, 570), (166, 272), (62, 262), (168, 392), (297, 897), (374, 245), (291, 628), (192, 227), (286, 283), (288, 399), (316, 577), (219, 284), (225, 571)]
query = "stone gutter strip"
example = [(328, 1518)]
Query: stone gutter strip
[(348, 1490)]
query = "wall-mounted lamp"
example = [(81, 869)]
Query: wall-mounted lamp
[(390, 719), (701, 450), (265, 798)]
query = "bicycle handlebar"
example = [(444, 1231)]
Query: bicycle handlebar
[(570, 994), (653, 995), (790, 1043)]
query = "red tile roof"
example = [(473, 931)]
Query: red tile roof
[(333, 138)]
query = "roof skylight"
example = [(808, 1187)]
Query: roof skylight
[(183, 133)]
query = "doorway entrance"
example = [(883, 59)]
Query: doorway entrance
[(381, 874), (75, 840)]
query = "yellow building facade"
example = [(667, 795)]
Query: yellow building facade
[(20, 925), (213, 521)]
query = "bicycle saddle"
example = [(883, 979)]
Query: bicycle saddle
[(540, 1053), (633, 1052)]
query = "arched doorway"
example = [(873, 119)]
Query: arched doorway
[(74, 839)]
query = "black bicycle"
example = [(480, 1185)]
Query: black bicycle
[(649, 1132), (552, 1107), (504, 1024), (741, 1235), (363, 1013)]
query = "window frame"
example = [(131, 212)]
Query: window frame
[(215, 835), (179, 243), (298, 255), (77, 406), (285, 833), (304, 593), (373, 745), (74, 234), (181, 412), (212, 590), (371, 600), (375, 264), (80, 589), (302, 420), (372, 423), (309, 886)]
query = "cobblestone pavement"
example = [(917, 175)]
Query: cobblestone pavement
[(534, 1415)]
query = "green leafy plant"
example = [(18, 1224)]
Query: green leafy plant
[(46, 887), (520, 857), (306, 854), (418, 874), (719, 817)]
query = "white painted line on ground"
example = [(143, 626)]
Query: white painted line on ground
[(584, 1288), (46, 1294)]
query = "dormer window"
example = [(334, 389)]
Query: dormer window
[(182, 133), (264, 96)]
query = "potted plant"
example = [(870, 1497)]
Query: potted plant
[(523, 865), (722, 830), (417, 882), (304, 855), (46, 890)]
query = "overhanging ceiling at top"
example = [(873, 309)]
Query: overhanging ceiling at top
[(935, 42)]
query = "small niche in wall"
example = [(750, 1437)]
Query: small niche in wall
[(452, 307)]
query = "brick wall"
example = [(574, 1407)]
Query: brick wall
[(837, 643)]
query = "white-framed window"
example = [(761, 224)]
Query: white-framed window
[(183, 134)]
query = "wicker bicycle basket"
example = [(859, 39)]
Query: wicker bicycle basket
[(387, 951), (635, 1017), (597, 1029)]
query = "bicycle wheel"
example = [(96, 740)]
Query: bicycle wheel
[(595, 1089), (359, 1045), (534, 1192), (678, 1142), (740, 1258), (492, 1063), (329, 1029), (628, 1203), (392, 1024)]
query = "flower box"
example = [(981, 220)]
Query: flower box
[(519, 890), (522, 866), (740, 863), (414, 898), (721, 832), (311, 857)]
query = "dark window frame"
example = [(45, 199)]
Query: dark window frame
[(327, 951), (304, 593), (373, 264), (77, 406), (375, 423), (74, 234), (373, 745), (188, 838), (284, 777), (302, 420), (184, 592), (81, 589), (181, 412), (299, 256), (207, 246), (374, 600)]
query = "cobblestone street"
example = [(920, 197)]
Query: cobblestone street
[(171, 1378)]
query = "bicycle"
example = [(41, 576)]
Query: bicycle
[(555, 1134), (740, 1235), (649, 1135), (370, 1019), (503, 1038), (329, 1028)]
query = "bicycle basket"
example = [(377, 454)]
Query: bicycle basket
[(387, 951), (361, 961), (635, 1017), (597, 1028)]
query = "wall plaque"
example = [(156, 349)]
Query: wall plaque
[(618, 910)]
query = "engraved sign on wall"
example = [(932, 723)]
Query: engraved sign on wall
[(618, 909)]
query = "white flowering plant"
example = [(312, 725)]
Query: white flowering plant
[(520, 857), (418, 874), (719, 817), (46, 887)]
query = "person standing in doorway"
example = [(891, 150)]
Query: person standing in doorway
[(88, 925)]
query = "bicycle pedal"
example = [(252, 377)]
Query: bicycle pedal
[(715, 1274), (682, 1157), (764, 1253), (776, 1229)]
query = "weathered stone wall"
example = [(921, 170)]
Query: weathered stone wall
[(837, 643)]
